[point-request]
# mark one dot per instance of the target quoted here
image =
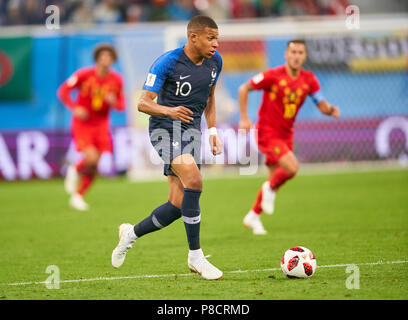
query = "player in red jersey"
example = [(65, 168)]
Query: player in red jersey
[(99, 90), (285, 89)]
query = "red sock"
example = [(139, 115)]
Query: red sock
[(257, 205), (85, 183), (279, 177), (80, 166)]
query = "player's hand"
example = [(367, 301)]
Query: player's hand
[(80, 113), (335, 112), (180, 113), (111, 99), (245, 124), (215, 145)]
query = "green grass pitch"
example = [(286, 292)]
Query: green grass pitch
[(351, 218)]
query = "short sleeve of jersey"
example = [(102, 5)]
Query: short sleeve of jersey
[(76, 78), (218, 58), (314, 89), (262, 80), (160, 70), (314, 85)]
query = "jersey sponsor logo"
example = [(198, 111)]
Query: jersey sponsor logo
[(185, 77), (258, 78), (151, 78)]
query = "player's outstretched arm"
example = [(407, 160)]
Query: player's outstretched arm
[(210, 117), (243, 93), (148, 105), (328, 109)]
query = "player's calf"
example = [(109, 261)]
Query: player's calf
[(161, 217)]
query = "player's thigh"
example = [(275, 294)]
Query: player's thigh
[(289, 163), (103, 140), (274, 149), (176, 191), (185, 167), (82, 138)]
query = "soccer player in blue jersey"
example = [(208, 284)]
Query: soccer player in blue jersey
[(183, 80)]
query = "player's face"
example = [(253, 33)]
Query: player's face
[(206, 42), (105, 59), (296, 55)]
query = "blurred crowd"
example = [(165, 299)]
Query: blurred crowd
[(21, 12)]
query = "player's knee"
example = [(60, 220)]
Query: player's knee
[(292, 170), (194, 182), (91, 157)]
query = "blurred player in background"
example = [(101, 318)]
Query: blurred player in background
[(183, 80), (99, 90), (285, 89)]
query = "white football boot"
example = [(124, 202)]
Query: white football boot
[(71, 179), (199, 264), (268, 198), (253, 221), (126, 238), (77, 202)]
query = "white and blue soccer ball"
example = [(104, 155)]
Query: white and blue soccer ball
[(298, 262)]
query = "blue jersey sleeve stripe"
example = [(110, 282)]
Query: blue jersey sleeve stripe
[(317, 97), (219, 60), (160, 70)]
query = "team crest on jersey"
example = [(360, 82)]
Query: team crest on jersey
[(213, 76), (277, 150)]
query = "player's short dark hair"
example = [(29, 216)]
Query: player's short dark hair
[(199, 23), (105, 47), (297, 41)]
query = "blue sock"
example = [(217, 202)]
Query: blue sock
[(161, 217), (190, 210)]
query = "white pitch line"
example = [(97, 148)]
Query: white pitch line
[(147, 276)]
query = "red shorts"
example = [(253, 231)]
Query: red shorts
[(92, 136), (272, 147)]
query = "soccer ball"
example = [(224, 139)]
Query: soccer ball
[(298, 262)]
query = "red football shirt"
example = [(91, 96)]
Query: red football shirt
[(92, 90), (282, 98)]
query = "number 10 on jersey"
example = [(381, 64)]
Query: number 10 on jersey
[(183, 89)]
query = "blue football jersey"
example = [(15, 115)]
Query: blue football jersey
[(180, 82)]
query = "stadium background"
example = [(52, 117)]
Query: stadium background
[(363, 71)]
